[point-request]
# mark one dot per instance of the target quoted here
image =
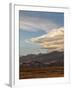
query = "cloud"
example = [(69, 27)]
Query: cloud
[(52, 41), (32, 24)]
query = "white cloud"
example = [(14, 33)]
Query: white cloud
[(53, 40)]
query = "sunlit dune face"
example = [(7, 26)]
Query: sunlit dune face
[(53, 40)]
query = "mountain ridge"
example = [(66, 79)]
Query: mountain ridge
[(53, 58)]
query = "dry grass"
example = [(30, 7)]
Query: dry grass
[(45, 72)]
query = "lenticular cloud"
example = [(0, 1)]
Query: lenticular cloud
[(54, 40)]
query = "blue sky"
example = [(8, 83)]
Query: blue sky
[(34, 24)]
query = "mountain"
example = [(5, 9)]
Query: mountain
[(42, 60)]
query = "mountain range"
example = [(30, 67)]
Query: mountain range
[(42, 60)]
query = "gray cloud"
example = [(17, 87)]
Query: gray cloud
[(30, 23)]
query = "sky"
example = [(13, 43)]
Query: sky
[(40, 32)]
